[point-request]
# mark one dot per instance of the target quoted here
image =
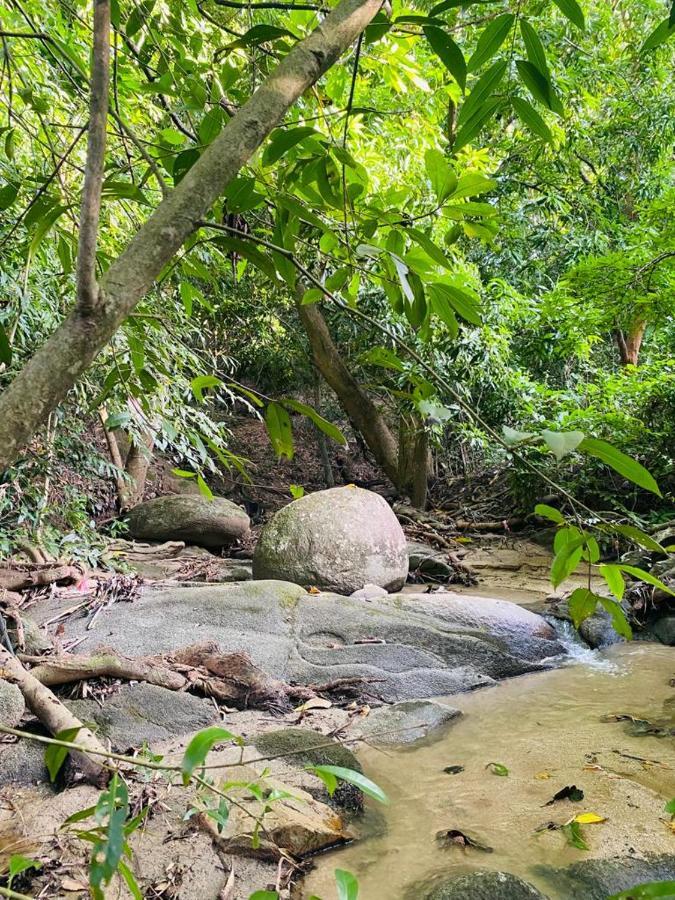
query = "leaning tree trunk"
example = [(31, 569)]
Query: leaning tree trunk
[(630, 342), (52, 371)]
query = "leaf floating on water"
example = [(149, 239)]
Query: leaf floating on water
[(570, 792), (455, 838), (589, 818), (454, 770), (543, 776), (575, 838), (497, 769), (670, 808), (643, 891)]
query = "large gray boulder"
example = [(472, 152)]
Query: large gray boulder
[(405, 646), (195, 519), (340, 539)]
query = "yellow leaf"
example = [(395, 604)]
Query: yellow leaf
[(670, 824), (589, 818), (314, 703), (313, 590), (543, 776)]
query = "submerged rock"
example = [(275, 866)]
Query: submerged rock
[(664, 629), (406, 722), (597, 879), (12, 705), (340, 539), (145, 713), (481, 886), (404, 646), (209, 523)]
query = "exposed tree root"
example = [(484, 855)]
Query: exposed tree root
[(54, 715), (15, 576)]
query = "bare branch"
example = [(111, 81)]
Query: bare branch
[(87, 288)]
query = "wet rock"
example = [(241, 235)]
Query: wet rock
[(12, 705), (209, 523), (597, 879), (483, 886), (340, 539), (425, 562), (145, 713), (408, 646), (664, 629), (598, 632), (303, 747), (406, 722)]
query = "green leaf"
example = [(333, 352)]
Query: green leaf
[(581, 605), (497, 769), (491, 39), (473, 125), (55, 756), (645, 891), (647, 577), (356, 778), (211, 125), (614, 579), (572, 10), (534, 48), (512, 436), (441, 307), (448, 52), (441, 174), (463, 302), (566, 559), (8, 195), (481, 90), (200, 745), (618, 616), (538, 85), (574, 835), (5, 347), (283, 139), (549, 512), (347, 885), (313, 295), (471, 185), (18, 864), (562, 442), (322, 424), (199, 385), (670, 807), (432, 250), (621, 463), (639, 537), (244, 248), (529, 116), (129, 880), (279, 429), (659, 35), (204, 489), (44, 226), (264, 895)]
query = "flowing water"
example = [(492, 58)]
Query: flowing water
[(548, 730)]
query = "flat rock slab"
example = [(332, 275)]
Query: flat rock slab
[(145, 712), (406, 722), (409, 646)]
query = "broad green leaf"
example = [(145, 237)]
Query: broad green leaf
[(572, 10), (646, 891), (473, 125), (562, 442), (282, 140), (18, 864), (382, 356), (443, 309), (539, 86), (614, 579), (198, 386), (172, 136), (647, 577), (621, 463), (200, 745), (498, 769), (441, 174), (639, 537), (448, 52), (347, 885), (211, 125), (246, 249), (534, 48), (463, 302), (356, 778), (322, 424), (481, 90), (263, 895), (313, 295), (279, 429), (529, 116), (44, 226), (204, 489), (5, 347), (591, 550), (471, 185), (490, 40), (670, 807), (574, 835), (581, 605), (512, 436), (658, 36), (566, 560), (549, 512), (618, 616), (8, 195), (432, 250), (55, 756)]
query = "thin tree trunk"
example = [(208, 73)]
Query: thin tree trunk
[(414, 459), (630, 342), (322, 443), (356, 403), (46, 379)]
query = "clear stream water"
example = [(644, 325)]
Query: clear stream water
[(549, 730)]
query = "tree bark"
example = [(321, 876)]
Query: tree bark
[(413, 454), (630, 342), (46, 379), (356, 403)]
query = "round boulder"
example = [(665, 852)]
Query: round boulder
[(339, 540), (194, 519)]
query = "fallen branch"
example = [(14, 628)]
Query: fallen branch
[(21, 576), (55, 716)]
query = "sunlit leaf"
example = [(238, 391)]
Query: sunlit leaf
[(620, 462)]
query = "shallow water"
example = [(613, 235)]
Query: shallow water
[(547, 729)]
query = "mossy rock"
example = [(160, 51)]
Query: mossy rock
[(197, 520), (477, 886)]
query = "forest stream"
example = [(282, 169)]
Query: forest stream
[(550, 730)]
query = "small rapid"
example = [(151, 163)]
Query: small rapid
[(577, 651)]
